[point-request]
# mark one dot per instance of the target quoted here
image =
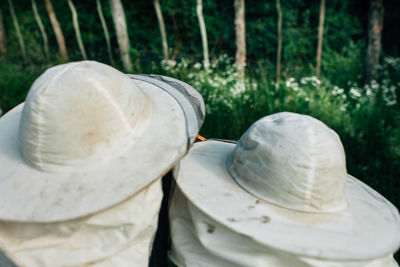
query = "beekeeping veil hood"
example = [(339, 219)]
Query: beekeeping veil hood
[(281, 196), (89, 138)]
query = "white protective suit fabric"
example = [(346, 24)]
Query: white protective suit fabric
[(200, 241), (119, 236)]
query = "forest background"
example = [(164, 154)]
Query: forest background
[(253, 62)]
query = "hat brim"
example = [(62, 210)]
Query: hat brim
[(28, 194), (368, 228)]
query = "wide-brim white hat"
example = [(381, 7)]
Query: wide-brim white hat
[(367, 226), (156, 119)]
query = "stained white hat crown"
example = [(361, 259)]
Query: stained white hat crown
[(293, 161), (79, 114)]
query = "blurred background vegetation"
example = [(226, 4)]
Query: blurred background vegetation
[(366, 114)]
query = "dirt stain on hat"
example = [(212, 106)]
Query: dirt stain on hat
[(210, 227)]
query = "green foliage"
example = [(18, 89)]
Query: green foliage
[(15, 81), (344, 65), (300, 21)]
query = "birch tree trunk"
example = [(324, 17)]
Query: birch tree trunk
[(105, 29), (3, 47), (375, 27), (18, 32), (240, 30), (57, 30), (118, 15), (76, 28), (42, 30), (162, 28), (203, 32), (320, 37), (279, 50)]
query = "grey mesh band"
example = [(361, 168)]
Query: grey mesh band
[(187, 97), (191, 94)]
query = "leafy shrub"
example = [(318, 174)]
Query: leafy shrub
[(344, 65), (15, 81)]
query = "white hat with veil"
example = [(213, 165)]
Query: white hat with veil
[(81, 161), (281, 196)]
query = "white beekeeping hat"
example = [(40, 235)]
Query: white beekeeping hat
[(281, 195), (80, 162), (88, 137)]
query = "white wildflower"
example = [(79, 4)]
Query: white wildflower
[(197, 66), (315, 80), (168, 64), (337, 90), (389, 95), (374, 85), (354, 92)]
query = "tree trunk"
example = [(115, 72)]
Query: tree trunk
[(178, 40), (320, 37), (203, 32), (57, 30), (118, 15), (18, 32), (42, 30), (375, 27), (77, 30), (240, 30), (3, 47), (279, 51), (162, 28), (105, 29)]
